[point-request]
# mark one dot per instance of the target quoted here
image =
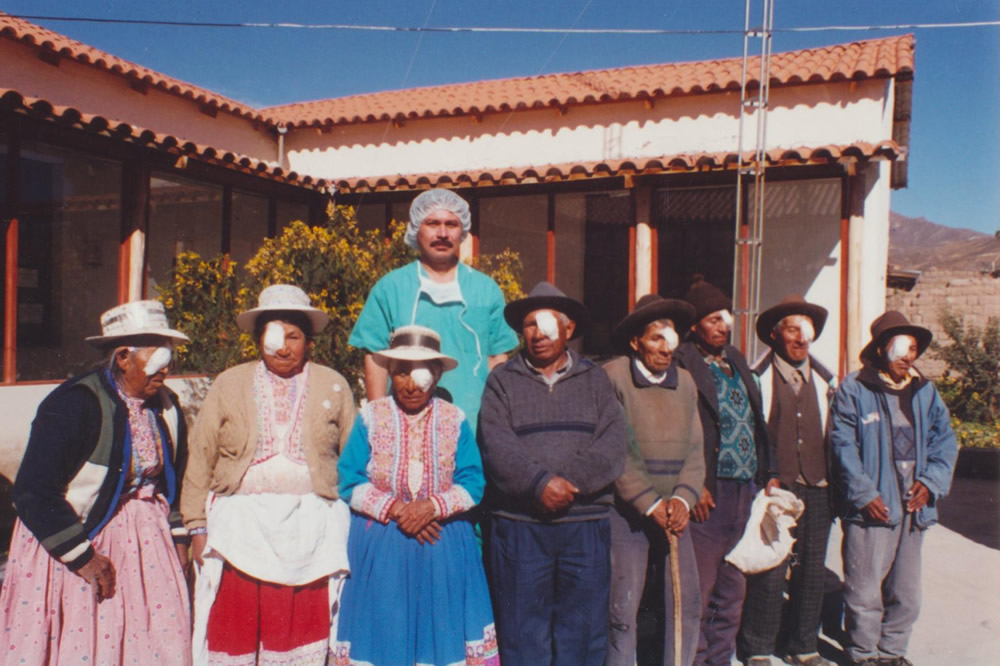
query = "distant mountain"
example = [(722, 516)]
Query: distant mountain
[(919, 244)]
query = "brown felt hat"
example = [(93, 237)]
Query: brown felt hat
[(706, 299), (650, 308), (792, 304), (889, 325)]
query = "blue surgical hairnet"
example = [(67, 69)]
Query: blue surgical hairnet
[(430, 202)]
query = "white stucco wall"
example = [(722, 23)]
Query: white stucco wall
[(90, 90), (808, 115)]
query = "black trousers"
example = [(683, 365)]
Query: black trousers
[(762, 610)]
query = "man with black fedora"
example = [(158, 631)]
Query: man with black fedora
[(663, 477), (738, 461), (553, 442), (893, 456), (796, 390)]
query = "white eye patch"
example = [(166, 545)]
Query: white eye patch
[(274, 337), (808, 332), (727, 318), (547, 324), (158, 360), (422, 377), (899, 347), (671, 337)]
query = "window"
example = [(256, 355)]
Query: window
[(521, 224), (67, 257), (184, 216), (291, 211), (606, 261), (249, 226), (696, 228)]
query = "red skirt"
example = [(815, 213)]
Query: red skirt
[(256, 622)]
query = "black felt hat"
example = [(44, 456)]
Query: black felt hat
[(792, 304), (650, 308), (889, 325), (546, 296)]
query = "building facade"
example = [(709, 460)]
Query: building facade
[(610, 183)]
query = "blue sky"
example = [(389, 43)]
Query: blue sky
[(954, 175)]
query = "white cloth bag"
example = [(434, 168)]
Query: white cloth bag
[(767, 540)]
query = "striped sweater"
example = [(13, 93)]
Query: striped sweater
[(531, 432), (665, 457)]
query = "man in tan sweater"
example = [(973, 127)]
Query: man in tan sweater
[(664, 473)]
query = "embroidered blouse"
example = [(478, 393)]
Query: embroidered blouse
[(392, 456), (147, 442), (279, 463)]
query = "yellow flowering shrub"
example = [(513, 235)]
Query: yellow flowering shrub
[(336, 263)]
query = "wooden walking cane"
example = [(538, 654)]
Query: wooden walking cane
[(675, 584)]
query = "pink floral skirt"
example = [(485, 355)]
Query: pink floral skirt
[(51, 615)]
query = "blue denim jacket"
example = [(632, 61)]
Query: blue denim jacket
[(862, 466)]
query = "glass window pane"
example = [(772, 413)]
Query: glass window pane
[(371, 216), (571, 227), (521, 224), (249, 226), (696, 235), (184, 216), (5, 214), (608, 218), (67, 258), (290, 211)]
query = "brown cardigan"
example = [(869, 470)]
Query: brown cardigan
[(224, 438)]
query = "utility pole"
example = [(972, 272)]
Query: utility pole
[(749, 232)]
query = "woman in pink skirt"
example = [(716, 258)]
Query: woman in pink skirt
[(97, 558)]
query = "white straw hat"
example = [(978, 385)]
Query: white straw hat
[(135, 319), (414, 343), (284, 298)]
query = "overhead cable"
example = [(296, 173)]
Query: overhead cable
[(484, 29)]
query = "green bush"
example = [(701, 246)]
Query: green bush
[(977, 435), (336, 263), (971, 383)]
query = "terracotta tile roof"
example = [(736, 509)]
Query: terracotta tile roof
[(829, 154), (54, 45), (877, 58), (13, 101)]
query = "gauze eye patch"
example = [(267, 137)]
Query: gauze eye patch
[(274, 337), (422, 377), (547, 324)]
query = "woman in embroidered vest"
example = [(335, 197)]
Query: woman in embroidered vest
[(97, 558), (269, 537), (411, 468)]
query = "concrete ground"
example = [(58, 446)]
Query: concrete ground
[(959, 620)]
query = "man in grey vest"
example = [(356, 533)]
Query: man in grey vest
[(795, 393)]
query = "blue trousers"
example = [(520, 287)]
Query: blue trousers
[(550, 591), (723, 586)]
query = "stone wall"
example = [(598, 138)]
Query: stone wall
[(972, 295)]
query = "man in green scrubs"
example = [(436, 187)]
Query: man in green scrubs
[(440, 292)]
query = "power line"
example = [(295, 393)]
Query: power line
[(481, 29)]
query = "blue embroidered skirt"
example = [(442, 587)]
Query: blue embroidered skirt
[(405, 603)]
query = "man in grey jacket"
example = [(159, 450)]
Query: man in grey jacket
[(663, 477), (553, 442)]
